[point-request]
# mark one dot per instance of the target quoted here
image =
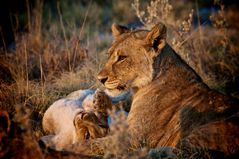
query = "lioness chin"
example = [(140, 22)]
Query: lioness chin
[(171, 105)]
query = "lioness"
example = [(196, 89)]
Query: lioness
[(171, 104)]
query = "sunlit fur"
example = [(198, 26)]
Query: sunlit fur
[(170, 102), (82, 115)]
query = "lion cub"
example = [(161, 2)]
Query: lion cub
[(92, 122), (81, 115)]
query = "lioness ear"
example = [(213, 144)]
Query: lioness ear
[(157, 36), (118, 29)]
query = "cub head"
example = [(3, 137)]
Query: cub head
[(131, 57)]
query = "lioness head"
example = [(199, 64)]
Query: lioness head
[(131, 57)]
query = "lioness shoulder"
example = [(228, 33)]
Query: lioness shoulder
[(170, 101)]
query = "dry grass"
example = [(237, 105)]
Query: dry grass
[(211, 51), (50, 62)]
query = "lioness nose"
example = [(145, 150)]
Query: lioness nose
[(102, 79)]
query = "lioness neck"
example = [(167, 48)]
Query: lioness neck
[(170, 68), (170, 63), (174, 83)]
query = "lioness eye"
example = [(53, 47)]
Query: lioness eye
[(121, 57)]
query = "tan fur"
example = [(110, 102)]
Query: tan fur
[(170, 101), (82, 115)]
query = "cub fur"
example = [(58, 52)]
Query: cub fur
[(82, 115)]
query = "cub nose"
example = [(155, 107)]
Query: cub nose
[(102, 79)]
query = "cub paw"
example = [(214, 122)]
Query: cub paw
[(101, 101), (82, 131), (85, 116)]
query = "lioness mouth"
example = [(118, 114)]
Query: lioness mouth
[(111, 85), (114, 85)]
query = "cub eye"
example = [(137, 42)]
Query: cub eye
[(121, 58)]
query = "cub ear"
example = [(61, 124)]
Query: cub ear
[(118, 29), (156, 37)]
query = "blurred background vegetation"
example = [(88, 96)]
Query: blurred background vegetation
[(53, 47)]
